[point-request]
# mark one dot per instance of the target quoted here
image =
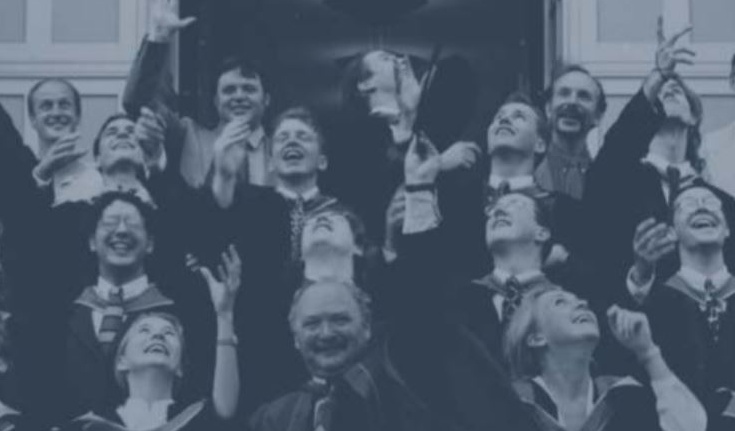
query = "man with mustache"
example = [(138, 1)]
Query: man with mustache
[(575, 103), (241, 99), (692, 313), (649, 154)]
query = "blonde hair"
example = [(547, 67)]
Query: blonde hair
[(524, 360), (121, 375)]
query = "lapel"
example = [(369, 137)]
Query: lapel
[(725, 292), (82, 329), (94, 422), (150, 298), (301, 413), (496, 287)]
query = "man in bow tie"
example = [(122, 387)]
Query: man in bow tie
[(692, 312), (649, 154)]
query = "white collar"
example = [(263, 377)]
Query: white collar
[(696, 280), (130, 289), (661, 164), (255, 139), (522, 277), (140, 415), (590, 398), (292, 195), (515, 183)]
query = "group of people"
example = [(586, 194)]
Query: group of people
[(379, 275)]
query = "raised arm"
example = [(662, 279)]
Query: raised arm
[(678, 409), (223, 290)]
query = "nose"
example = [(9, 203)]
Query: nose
[(157, 335), (121, 227), (582, 303), (325, 330)]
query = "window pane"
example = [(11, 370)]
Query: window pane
[(72, 23), (627, 20), (15, 108), (12, 21), (713, 20)]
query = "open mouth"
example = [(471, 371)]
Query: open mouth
[(158, 348), (501, 222), (123, 144), (323, 224), (703, 222), (121, 246), (585, 317), (292, 154), (505, 130), (240, 109)]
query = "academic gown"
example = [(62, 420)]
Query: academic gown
[(621, 404), (681, 330), (621, 192)]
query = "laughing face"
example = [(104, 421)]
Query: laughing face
[(699, 219), (328, 232), (151, 341), (562, 318), (330, 331), (573, 106), (118, 144), (54, 112), (121, 240), (513, 220), (515, 128), (297, 150), (241, 97)]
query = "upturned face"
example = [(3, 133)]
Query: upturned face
[(152, 341), (54, 111), (563, 319), (515, 127), (121, 239), (297, 150), (699, 219), (240, 97), (330, 331), (675, 102), (118, 144), (573, 106), (512, 220), (328, 232)]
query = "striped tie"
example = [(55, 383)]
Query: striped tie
[(112, 319)]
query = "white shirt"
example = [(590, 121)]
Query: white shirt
[(718, 151), (515, 183), (686, 171), (292, 195), (692, 277), (140, 415), (130, 290), (503, 277), (257, 157)]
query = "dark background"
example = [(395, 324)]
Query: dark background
[(303, 42)]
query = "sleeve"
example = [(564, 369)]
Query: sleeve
[(678, 409), (422, 212), (639, 292)]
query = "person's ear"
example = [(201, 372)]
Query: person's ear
[(323, 163), (122, 364), (266, 101), (151, 245), (92, 245), (543, 234), (540, 147)]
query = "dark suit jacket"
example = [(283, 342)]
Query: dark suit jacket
[(621, 192)]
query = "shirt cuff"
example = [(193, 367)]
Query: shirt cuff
[(678, 409), (422, 212), (39, 182), (638, 292)]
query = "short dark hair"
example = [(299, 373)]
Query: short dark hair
[(247, 68), (110, 119), (304, 115), (542, 121), (570, 68), (103, 201), (543, 214), (75, 95)]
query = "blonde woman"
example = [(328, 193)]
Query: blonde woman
[(549, 344)]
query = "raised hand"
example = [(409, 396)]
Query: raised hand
[(165, 21), (150, 131), (461, 154), (63, 152), (224, 287), (423, 162), (651, 242), (229, 147), (632, 330), (668, 55)]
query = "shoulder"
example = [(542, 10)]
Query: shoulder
[(277, 414)]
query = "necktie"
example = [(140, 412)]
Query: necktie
[(323, 394), (513, 296), (712, 309), (112, 319), (297, 226)]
